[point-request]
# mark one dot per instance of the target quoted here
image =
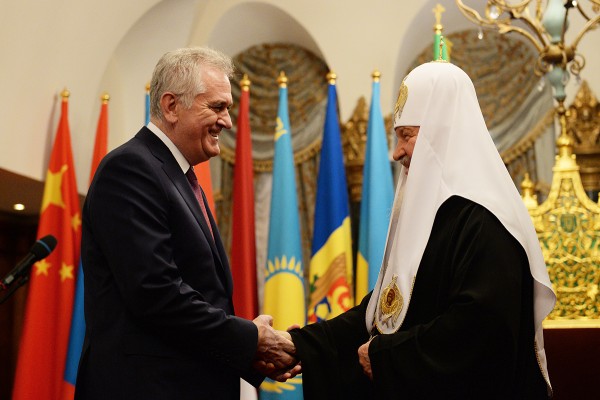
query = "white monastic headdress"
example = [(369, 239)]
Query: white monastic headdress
[(454, 155)]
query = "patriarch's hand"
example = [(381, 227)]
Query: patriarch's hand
[(364, 360)]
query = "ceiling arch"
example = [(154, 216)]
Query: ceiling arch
[(247, 24)]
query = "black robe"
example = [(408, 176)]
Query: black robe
[(468, 331)]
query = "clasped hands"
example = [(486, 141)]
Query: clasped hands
[(275, 352)]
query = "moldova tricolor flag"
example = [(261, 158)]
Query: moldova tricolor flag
[(331, 261)]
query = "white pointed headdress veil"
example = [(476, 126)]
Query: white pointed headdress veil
[(454, 155)]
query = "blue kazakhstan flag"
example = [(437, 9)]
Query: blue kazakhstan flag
[(284, 278), (331, 261), (377, 199)]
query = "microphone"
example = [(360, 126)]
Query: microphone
[(40, 249)]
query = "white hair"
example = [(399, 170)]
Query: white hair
[(180, 72)]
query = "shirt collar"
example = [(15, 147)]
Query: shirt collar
[(183, 163)]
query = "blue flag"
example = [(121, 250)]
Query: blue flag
[(331, 261), (147, 102), (376, 202), (284, 277), (77, 332)]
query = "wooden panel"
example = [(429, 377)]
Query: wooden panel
[(573, 355)]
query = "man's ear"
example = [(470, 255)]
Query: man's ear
[(168, 107)]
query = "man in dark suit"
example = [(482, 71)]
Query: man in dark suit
[(158, 288)]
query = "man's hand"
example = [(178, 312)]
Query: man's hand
[(275, 353), (363, 359), (285, 335), (297, 369)]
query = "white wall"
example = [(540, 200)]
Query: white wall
[(45, 47), (90, 47)]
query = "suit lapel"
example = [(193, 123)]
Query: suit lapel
[(173, 171)]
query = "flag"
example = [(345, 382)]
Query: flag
[(204, 180), (77, 332), (43, 346), (147, 101), (101, 143), (377, 198), (331, 261), (243, 251), (284, 277)]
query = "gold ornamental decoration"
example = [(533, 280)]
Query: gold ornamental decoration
[(568, 228), (568, 222), (584, 126)]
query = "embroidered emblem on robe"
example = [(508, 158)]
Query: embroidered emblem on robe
[(390, 304)]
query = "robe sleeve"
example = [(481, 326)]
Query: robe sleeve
[(328, 353)]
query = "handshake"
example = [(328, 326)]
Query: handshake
[(275, 352)]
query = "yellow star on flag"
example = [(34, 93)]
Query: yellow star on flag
[(76, 222), (66, 272), (52, 190), (42, 267)]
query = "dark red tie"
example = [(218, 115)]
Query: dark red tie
[(191, 176)]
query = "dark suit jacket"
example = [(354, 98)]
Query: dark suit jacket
[(158, 288)]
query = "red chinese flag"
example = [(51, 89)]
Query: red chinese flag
[(43, 347), (243, 249)]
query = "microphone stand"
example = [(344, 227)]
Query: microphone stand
[(11, 288)]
